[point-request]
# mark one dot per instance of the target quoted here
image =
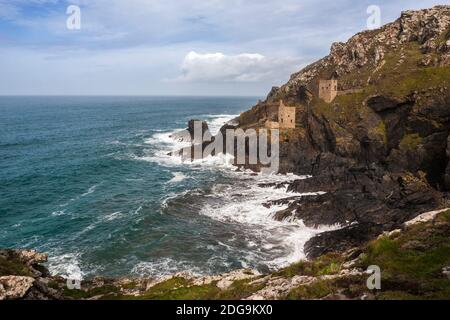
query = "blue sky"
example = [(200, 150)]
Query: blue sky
[(173, 47)]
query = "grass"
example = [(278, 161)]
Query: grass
[(394, 79), (181, 289), (401, 79), (381, 131), (324, 265), (352, 287), (414, 261), (239, 290), (316, 290), (411, 267), (13, 267), (86, 294), (204, 292), (416, 80)]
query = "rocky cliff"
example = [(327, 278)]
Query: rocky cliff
[(380, 148), (392, 108), (381, 153)]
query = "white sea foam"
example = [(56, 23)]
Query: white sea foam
[(134, 180), (90, 190), (161, 157), (171, 196), (243, 204), (215, 122), (112, 216), (162, 144), (138, 210), (58, 213), (164, 141), (66, 265), (277, 243), (177, 177)]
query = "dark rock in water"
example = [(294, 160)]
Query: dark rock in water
[(381, 149), (276, 185), (283, 201), (203, 138), (355, 199), (188, 135)]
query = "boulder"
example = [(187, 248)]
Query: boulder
[(15, 287), (188, 135)]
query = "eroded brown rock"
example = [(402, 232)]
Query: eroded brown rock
[(15, 287)]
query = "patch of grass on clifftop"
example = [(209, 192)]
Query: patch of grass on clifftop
[(411, 265), (351, 287), (324, 265), (417, 80), (86, 294), (182, 289), (13, 267), (401, 75), (239, 290)]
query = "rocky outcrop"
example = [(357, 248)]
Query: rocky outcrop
[(392, 110), (188, 135), (362, 202), (15, 287), (428, 28), (379, 151), (379, 156), (22, 276)]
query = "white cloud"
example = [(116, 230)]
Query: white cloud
[(134, 46), (244, 67)]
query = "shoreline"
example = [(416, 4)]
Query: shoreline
[(339, 276)]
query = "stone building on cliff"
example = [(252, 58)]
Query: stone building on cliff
[(286, 118), (328, 90)]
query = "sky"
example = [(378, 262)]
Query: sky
[(172, 47)]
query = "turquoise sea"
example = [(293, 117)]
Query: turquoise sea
[(88, 181)]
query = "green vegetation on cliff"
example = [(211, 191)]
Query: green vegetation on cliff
[(13, 266), (412, 263)]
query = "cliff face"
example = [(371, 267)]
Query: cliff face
[(368, 51), (392, 107), (381, 153), (380, 148)]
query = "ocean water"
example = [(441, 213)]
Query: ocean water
[(88, 181)]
